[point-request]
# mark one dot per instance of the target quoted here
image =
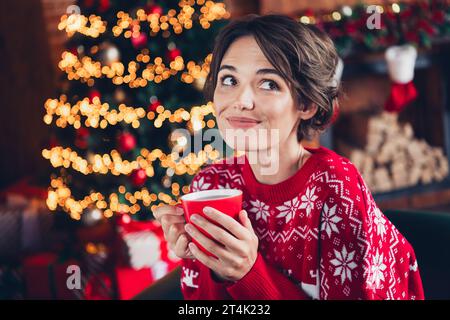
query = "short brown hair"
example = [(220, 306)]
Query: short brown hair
[(305, 55)]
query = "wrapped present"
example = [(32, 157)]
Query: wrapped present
[(147, 258), (99, 287), (25, 223), (45, 277), (144, 243), (24, 188), (10, 232), (131, 282)]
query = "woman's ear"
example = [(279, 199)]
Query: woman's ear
[(308, 112)]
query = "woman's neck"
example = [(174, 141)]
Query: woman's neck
[(277, 164)]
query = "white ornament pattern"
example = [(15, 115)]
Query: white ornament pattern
[(261, 209), (376, 271), (308, 200), (200, 184), (344, 264), (289, 209), (330, 219), (380, 223)]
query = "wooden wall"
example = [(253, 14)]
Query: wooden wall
[(28, 55)]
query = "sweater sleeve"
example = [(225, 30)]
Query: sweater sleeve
[(363, 255), (264, 282)]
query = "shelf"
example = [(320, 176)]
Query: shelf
[(420, 196)]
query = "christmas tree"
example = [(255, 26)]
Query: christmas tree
[(133, 73)]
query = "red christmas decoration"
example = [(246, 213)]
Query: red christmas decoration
[(97, 287), (439, 17), (53, 142), (154, 105), (104, 5), (401, 61), (126, 142), (74, 51), (426, 26), (138, 177), (81, 139), (154, 9), (140, 41), (172, 54), (412, 36), (94, 93)]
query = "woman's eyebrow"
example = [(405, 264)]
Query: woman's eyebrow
[(260, 71), (226, 66), (269, 71)]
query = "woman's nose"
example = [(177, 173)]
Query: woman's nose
[(245, 99)]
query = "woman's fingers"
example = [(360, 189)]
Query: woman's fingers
[(182, 249), (210, 245), (219, 234), (167, 210), (168, 220), (229, 223), (174, 232)]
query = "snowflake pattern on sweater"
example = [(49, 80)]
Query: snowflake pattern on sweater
[(321, 236)]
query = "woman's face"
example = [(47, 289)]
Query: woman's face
[(254, 106)]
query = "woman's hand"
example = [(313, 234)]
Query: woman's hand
[(173, 222), (237, 246)]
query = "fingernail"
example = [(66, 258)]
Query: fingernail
[(207, 210), (194, 218), (188, 228)]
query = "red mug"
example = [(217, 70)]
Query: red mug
[(227, 201)]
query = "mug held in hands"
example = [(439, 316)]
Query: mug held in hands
[(227, 201)]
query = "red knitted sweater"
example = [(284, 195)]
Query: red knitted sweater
[(321, 236)]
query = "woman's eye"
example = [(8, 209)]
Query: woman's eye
[(227, 81), (269, 85)]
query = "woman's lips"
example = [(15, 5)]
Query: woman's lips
[(242, 122)]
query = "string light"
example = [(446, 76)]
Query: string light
[(94, 26), (347, 11), (336, 16), (305, 20), (87, 69), (396, 8), (97, 114), (113, 162), (59, 195), (79, 23), (209, 11)]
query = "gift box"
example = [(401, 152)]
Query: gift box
[(25, 221), (131, 282), (146, 258), (10, 232), (143, 243), (99, 287), (46, 277)]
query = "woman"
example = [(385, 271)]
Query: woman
[(309, 229)]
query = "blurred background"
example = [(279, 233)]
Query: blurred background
[(91, 92)]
